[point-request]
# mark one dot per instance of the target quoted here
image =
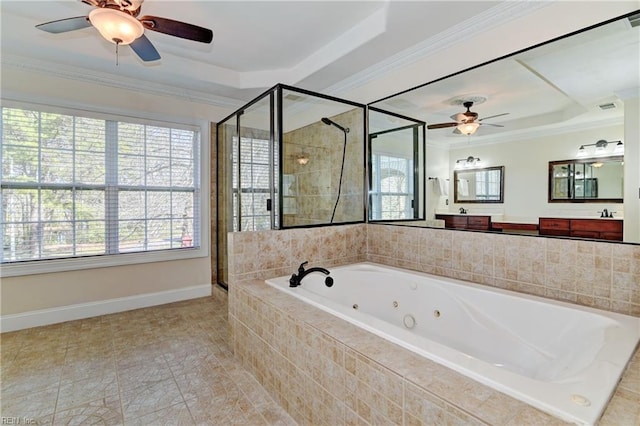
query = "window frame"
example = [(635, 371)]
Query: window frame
[(376, 194), (41, 266)]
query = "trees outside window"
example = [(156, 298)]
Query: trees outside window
[(75, 186), (392, 183)]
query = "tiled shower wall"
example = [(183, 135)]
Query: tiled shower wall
[(324, 370), (310, 197)]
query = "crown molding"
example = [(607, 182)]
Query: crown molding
[(21, 63), (465, 30)]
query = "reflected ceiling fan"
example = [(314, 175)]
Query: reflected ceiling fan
[(466, 122), (118, 22)]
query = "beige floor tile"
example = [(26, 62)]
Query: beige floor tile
[(104, 411), (175, 415), (93, 388), (32, 405), (165, 365)]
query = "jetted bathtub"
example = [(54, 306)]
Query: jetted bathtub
[(561, 358)]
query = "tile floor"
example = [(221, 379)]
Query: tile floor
[(165, 365)]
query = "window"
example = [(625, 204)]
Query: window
[(391, 195), (254, 184), (75, 186), (488, 185)]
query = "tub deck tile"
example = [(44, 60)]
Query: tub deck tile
[(430, 393)]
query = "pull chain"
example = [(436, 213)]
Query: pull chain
[(117, 41)]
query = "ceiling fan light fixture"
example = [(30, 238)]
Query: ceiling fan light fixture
[(115, 26), (468, 128)]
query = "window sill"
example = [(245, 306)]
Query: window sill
[(93, 262)]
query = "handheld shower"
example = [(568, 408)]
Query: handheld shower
[(345, 130), (330, 122)]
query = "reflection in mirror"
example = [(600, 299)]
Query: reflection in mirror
[(396, 164), (479, 185), (532, 108), (588, 180)]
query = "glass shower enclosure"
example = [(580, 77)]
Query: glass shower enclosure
[(290, 158)]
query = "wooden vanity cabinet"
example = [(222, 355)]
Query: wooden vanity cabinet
[(552, 226), (460, 221), (601, 229)]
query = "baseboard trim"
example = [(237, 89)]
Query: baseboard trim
[(56, 315)]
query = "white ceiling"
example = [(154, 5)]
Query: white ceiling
[(360, 50), (560, 85)]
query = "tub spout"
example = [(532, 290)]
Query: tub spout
[(296, 279)]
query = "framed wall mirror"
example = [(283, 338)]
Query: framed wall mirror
[(483, 185), (531, 108), (587, 180)]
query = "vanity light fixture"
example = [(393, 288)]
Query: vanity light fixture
[(601, 148), (466, 163), (619, 149), (468, 128)]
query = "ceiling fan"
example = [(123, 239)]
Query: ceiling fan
[(118, 22), (466, 122)]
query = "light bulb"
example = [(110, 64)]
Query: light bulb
[(115, 26)]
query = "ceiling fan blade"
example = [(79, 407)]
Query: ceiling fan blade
[(144, 49), (491, 124), (178, 29), (494, 116), (64, 25), (441, 125)]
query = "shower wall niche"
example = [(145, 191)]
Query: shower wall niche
[(290, 158)]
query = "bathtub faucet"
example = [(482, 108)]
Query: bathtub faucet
[(296, 280)]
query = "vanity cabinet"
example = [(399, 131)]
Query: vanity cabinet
[(461, 221), (601, 229)]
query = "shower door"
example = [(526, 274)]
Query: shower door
[(247, 159)]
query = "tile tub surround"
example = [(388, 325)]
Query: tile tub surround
[(276, 253), (600, 275), (597, 274), (324, 370)]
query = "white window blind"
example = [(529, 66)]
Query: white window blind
[(254, 184), (76, 186)]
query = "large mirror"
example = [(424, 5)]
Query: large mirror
[(396, 164), (555, 101), (588, 180), (479, 185)]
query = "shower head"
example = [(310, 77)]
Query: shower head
[(330, 122)]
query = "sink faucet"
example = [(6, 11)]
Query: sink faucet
[(296, 280), (604, 213), (463, 210)]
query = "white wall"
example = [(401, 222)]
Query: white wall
[(437, 167), (632, 174), (526, 164)]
